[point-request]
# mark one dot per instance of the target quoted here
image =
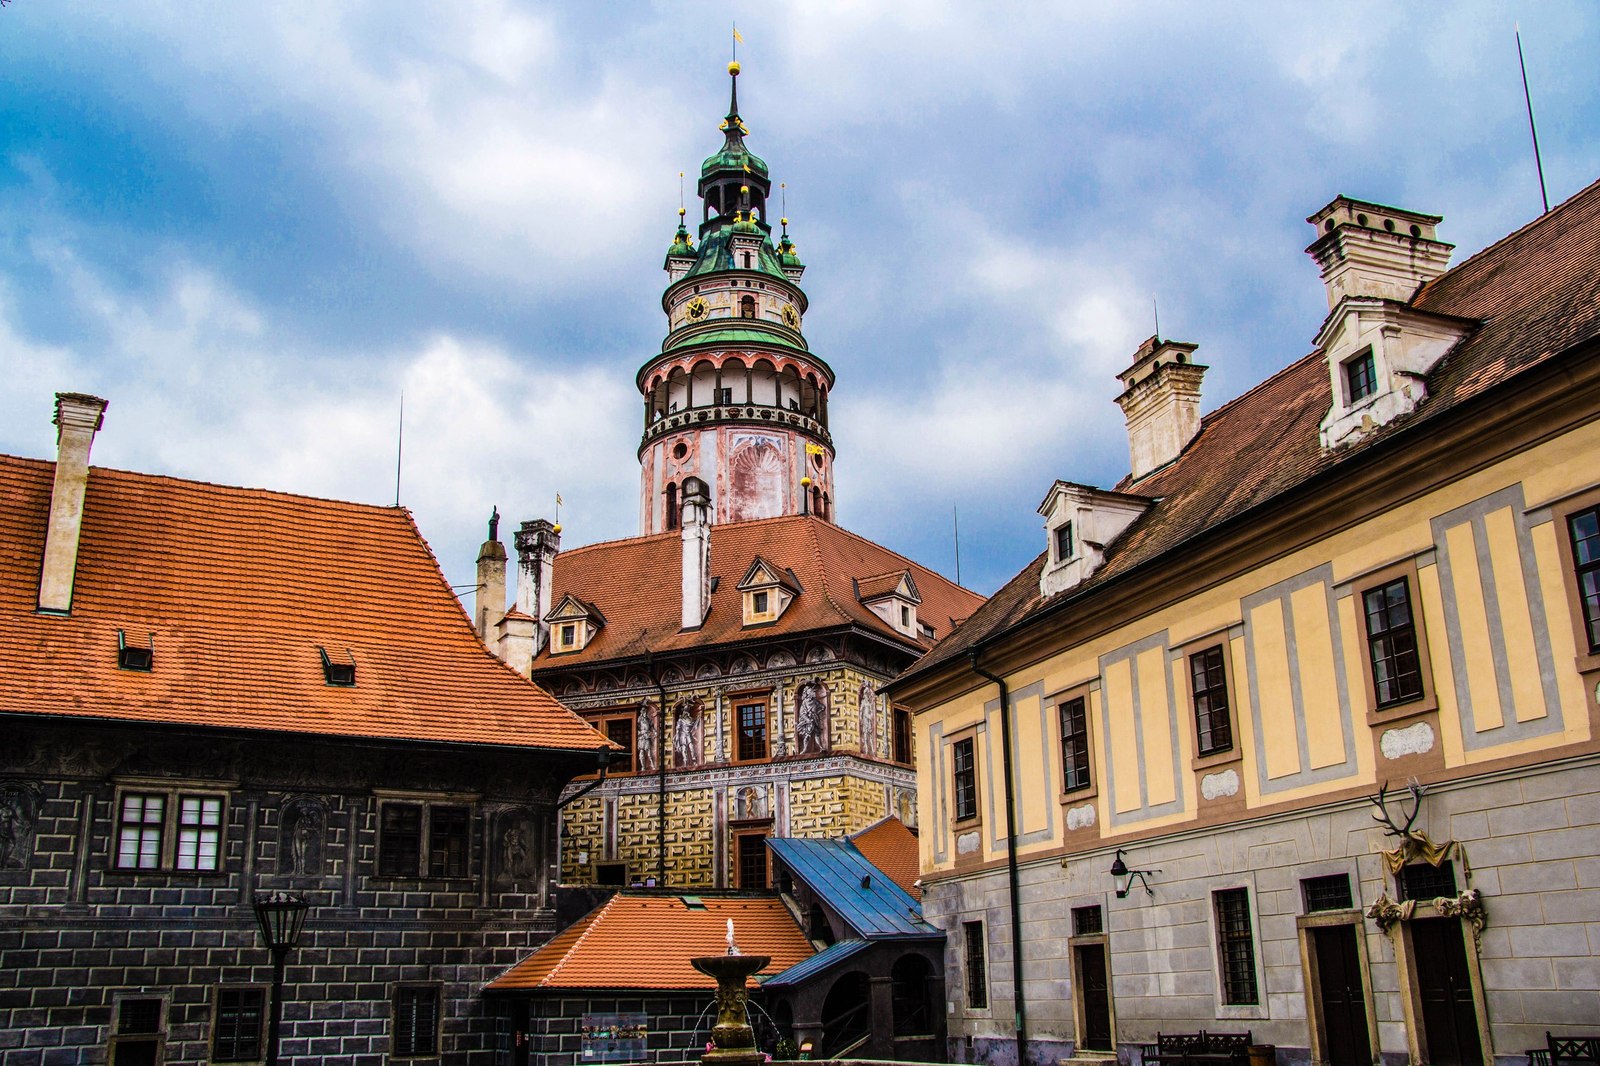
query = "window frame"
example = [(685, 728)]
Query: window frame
[(117, 1037), (1368, 359), (902, 740), (426, 836), (1069, 791), (1427, 701), (168, 830), (1191, 659), (764, 701), (1392, 645), (974, 965), (1222, 938), (265, 1006), (740, 836), (1587, 661), (1179, 655), (1064, 532), (415, 989), (973, 817)]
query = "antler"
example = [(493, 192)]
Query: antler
[(1383, 817)]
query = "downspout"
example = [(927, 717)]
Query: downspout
[(1020, 998), (603, 759), (661, 770)]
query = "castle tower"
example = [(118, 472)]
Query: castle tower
[(735, 397)]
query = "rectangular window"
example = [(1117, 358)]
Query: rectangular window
[(1361, 376), (1422, 881), (620, 731), (569, 634), (447, 842), (902, 735), (199, 832), (1088, 921), (1392, 643), (400, 840), (416, 1021), (977, 965), (1585, 530), (1330, 893), (725, 396), (1075, 744), (758, 602), (236, 1024), (611, 873), (966, 779), (1064, 543), (752, 860), (1235, 946), (139, 827), (1209, 680), (138, 1037), (752, 731)]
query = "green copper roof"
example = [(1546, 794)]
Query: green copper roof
[(681, 245), (737, 335), (716, 255), (733, 158)]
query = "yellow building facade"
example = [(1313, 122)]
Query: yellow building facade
[(1378, 569)]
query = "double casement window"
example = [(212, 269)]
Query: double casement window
[(964, 771), (423, 839), (752, 731), (1208, 679), (1075, 745), (236, 1023), (1392, 643), (161, 830)]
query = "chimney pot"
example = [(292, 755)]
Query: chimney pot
[(78, 418), (1161, 402), (695, 531), (1369, 250)]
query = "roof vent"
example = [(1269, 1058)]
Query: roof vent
[(693, 903), (866, 880), (341, 674), (135, 658)]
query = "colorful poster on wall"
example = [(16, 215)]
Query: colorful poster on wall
[(615, 1037)]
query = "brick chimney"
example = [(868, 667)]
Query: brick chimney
[(1161, 402), (490, 603), (77, 419), (537, 543), (1366, 249), (696, 533)]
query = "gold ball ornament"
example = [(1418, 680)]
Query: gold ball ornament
[(744, 190), (783, 221), (805, 482), (556, 527), (733, 68), (682, 212)]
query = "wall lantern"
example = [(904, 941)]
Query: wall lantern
[(280, 917), (1126, 877)]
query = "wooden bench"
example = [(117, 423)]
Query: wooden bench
[(1196, 1049), (1562, 1050)]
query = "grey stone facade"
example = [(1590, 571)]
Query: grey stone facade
[(679, 1023), (78, 936), (1531, 838)]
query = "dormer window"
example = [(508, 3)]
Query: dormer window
[(894, 598), (568, 636), (341, 674), (1064, 542), (131, 657), (573, 624), (759, 602), (767, 592), (1360, 376), (1081, 522)]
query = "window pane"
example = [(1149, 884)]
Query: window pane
[(966, 781), (199, 832), (238, 1025), (1585, 529), (977, 969), (1330, 893), (1209, 680), (400, 840), (1235, 950), (1392, 643), (447, 842), (416, 1021), (753, 731), (1074, 745), (752, 861), (1361, 376), (902, 735), (142, 819), (620, 731)]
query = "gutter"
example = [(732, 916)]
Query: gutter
[(661, 770), (1019, 996)]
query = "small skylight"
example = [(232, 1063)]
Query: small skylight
[(133, 657), (341, 674), (693, 903)]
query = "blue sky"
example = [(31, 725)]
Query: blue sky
[(252, 230)]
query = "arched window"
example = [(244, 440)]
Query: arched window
[(747, 262), (747, 305), (672, 505)]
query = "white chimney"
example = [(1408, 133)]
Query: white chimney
[(77, 419), (490, 603), (1367, 249), (537, 543), (1161, 402), (696, 532)]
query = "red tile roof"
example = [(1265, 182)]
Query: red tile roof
[(239, 588), (1536, 292), (637, 583), (891, 846), (646, 942)]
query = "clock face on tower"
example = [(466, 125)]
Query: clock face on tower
[(697, 308), (791, 317)]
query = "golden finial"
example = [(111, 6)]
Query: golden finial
[(744, 190), (733, 68)]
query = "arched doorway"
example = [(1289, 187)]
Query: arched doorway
[(846, 1016)]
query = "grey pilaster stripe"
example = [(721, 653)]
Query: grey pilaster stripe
[(1131, 653)]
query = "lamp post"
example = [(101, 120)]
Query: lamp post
[(280, 916)]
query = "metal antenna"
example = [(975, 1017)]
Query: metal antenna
[(955, 521), (399, 447), (1528, 99), (1156, 310)]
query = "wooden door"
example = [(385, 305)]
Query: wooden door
[(1444, 988), (1094, 987), (1339, 991)]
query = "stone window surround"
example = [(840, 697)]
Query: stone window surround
[(216, 1017), (412, 987), (738, 700), (427, 801), (1222, 638), (1230, 1011), (1076, 940), (1561, 511), (117, 1037), (172, 791), (1357, 587), (1083, 690)]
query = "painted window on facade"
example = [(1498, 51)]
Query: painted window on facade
[(752, 731), (137, 1040), (1075, 744), (966, 779), (620, 731), (140, 823), (236, 1024), (404, 827), (1209, 680), (977, 968), (1392, 643), (1361, 376), (1585, 529), (416, 1020), (1330, 893), (199, 832), (1235, 947)]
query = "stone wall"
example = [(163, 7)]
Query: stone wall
[(679, 1024)]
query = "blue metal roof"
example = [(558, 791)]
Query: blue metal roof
[(823, 959), (860, 893)]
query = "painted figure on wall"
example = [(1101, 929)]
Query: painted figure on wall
[(648, 732), (871, 744), (514, 842), (811, 718), (19, 811), (300, 836), (688, 732), (751, 803), (756, 470)]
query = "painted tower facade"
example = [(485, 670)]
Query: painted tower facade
[(735, 397)]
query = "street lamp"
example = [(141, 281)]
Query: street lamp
[(1126, 877), (280, 916)]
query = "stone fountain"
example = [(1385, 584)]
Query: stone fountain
[(734, 1040)]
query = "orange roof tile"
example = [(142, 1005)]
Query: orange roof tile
[(637, 941), (637, 583), (1536, 293), (239, 588), (891, 846)]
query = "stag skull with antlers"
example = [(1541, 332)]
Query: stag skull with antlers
[(1385, 819)]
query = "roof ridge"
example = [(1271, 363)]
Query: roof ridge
[(822, 572), (898, 555), (1513, 235), (593, 919), (251, 490)]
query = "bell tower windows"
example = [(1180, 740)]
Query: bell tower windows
[(747, 304)]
